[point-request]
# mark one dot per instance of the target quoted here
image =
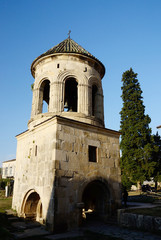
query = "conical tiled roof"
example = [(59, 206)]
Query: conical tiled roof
[(67, 46)]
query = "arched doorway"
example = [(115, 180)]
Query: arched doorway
[(32, 206), (96, 200)]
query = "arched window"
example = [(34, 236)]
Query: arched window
[(70, 96), (94, 99), (44, 96)]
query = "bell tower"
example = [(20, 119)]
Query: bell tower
[(67, 162), (68, 82)]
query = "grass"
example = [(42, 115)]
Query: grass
[(143, 197), (155, 211), (5, 203)]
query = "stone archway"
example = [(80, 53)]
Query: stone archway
[(96, 199), (32, 206)]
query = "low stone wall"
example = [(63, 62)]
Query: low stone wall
[(140, 222)]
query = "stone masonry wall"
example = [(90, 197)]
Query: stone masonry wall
[(140, 222), (74, 171), (52, 159), (35, 165)]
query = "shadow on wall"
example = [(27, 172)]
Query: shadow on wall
[(75, 202)]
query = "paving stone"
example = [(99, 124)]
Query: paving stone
[(39, 231)]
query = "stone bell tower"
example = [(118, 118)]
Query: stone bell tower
[(68, 80), (67, 162)]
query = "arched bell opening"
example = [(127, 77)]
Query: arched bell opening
[(70, 95), (44, 96), (32, 206), (96, 200)]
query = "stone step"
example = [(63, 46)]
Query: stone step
[(38, 231)]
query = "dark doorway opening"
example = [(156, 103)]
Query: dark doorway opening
[(95, 198)]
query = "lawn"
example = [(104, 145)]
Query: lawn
[(155, 211), (5, 203), (143, 197)]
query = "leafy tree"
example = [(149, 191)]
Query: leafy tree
[(136, 142), (157, 159)]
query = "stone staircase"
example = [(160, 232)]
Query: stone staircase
[(21, 228)]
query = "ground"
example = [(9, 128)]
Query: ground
[(94, 231)]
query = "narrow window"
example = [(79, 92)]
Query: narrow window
[(58, 65), (92, 153), (85, 69), (94, 98), (36, 150), (70, 98)]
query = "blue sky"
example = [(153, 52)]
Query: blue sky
[(120, 33)]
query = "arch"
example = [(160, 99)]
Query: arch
[(94, 81), (95, 98), (96, 198), (70, 95), (44, 96), (32, 206), (62, 76)]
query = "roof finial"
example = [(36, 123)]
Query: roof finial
[(69, 34)]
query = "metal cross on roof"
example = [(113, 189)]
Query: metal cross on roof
[(69, 33)]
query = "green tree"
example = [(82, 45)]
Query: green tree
[(157, 159), (136, 142)]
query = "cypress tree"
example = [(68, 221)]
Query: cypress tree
[(136, 146), (157, 159)]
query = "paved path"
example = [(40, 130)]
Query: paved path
[(31, 229), (113, 230), (123, 233), (110, 230)]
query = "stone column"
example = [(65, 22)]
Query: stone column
[(99, 105), (36, 102), (83, 100), (56, 97), (89, 100)]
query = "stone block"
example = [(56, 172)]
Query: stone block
[(113, 171), (124, 219), (60, 155), (139, 222), (132, 220), (148, 223), (157, 224)]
